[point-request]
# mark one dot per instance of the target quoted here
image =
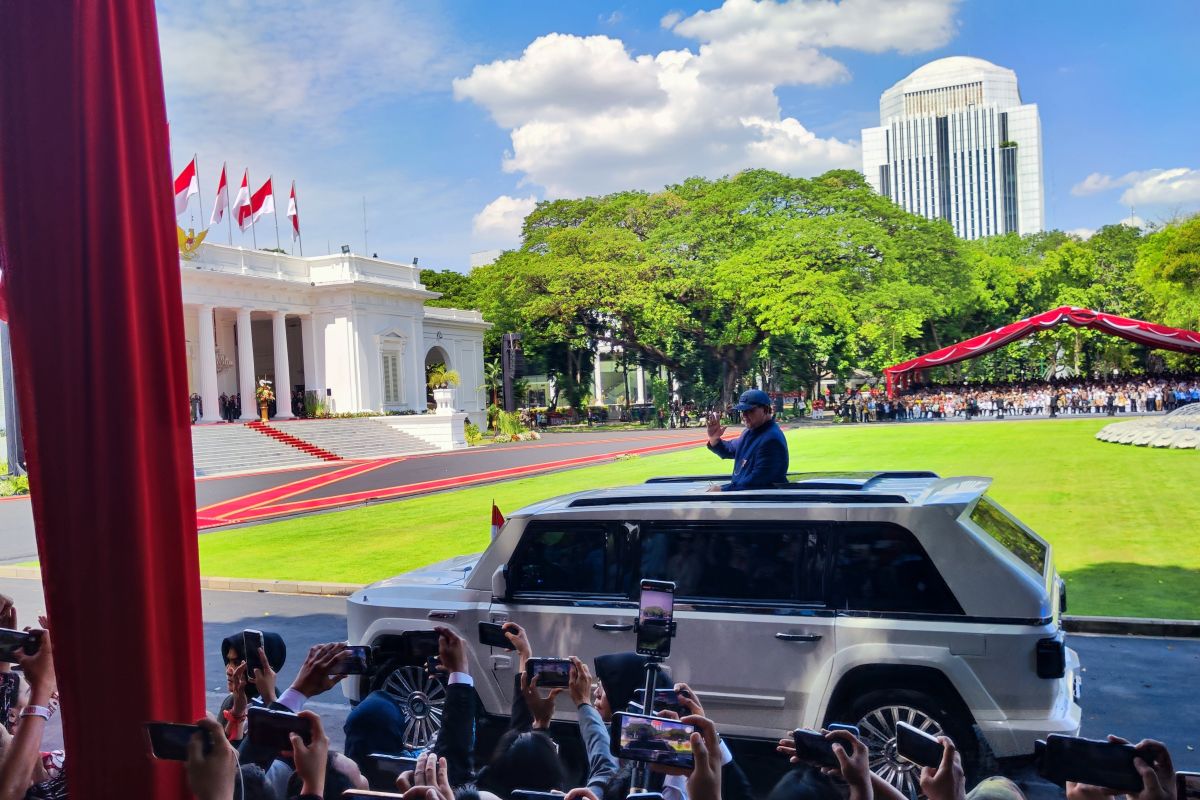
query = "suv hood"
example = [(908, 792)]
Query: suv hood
[(452, 572)]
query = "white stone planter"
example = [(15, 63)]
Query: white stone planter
[(444, 398), (443, 431)]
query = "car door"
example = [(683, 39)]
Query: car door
[(753, 636), (566, 585)]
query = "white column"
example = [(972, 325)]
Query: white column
[(246, 380), (309, 350), (283, 370), (597, 384), (641, 385), (209, 396)]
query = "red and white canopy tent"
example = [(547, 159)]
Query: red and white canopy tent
[(1135, 330)]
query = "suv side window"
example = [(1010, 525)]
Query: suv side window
[(749, 562), (567, 556), (1010, 535), (882, 567)]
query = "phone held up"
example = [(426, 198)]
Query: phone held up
[(652, 740), (270, 728), (656, 615), (917, 746), (813, 748), (1070, 758), (355, 660), (1187, 785), (12, 641), (492, 635), (393, 765), (169, 740), (551, 673), (252, 641)]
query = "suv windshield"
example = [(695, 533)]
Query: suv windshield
[(1010, 535)]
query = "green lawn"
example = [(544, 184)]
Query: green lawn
[(1123, 520)]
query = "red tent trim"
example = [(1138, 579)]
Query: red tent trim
[(1134, 330)]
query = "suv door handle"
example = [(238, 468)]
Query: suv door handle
[(613, 626), (798, 637)]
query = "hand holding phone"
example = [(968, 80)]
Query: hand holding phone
[(11, 641), (917, 746), (1108, 764), (652, 740), (271, 728), (551, 673), (492, 634), (169, 740), (355, 660), (252, 642), (813, 748)]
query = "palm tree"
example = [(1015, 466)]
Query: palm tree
[(493, 379)]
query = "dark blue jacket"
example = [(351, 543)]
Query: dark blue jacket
[(760, 457)]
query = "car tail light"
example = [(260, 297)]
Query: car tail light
[(1051, 658)]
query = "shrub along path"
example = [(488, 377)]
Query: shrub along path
[(1122, 519)]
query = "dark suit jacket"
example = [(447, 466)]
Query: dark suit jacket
[(760, 457)]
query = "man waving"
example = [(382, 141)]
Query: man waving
[(760, 454)]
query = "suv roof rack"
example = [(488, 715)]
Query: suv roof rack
[(843, 481), (831, 498)]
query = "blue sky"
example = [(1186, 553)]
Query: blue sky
[(452, 119)]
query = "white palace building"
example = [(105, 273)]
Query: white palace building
[(354, 330)]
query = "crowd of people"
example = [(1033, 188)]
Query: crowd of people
[(1142, 394), (224, 763)]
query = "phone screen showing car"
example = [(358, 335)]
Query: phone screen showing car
[(1099, 763), (492, 635), (355, 660), (551, 673), (252, 641), (169, 740), (656, 611), (813, 748), (917, 746), (1187, 785), (420, 644), (652, 740)]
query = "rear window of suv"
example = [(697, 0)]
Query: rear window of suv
[(1011, 536)]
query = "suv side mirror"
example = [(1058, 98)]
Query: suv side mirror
[(500, 582)]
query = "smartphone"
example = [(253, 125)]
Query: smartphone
[(420, 645), (492, 634), (1187, 785), (813, 748), (11, 641), (552, 673), (664, 700), (169, 740), (252, 640), (917, 746), (645, 796), (1106, 764), (530, 794), (841, 726), (652, 740), (355, 660), (368, 793), (270, 728), (393, 765), (656, 611)]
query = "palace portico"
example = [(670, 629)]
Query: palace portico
[(353, 330)]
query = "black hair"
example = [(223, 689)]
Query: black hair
[(253, 784), (804, 783), (523, 760), (336, 781)]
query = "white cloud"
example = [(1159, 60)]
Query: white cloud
[(586, 116), (1167, 187), (1093, 184), (1133, 221), (500, 220), (872, 26), (1082, 233)]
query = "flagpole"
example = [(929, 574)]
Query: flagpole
[(250, 196), (275, 211), (199, 194), (299, 237), (228, 210)]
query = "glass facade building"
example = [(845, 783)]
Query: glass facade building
[(955, 142)]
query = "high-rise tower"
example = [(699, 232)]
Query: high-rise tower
[(956, 143)]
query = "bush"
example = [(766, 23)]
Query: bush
[(509, 422), (14, 486), (473, 435), (501, 438)]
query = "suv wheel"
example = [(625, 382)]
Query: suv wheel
[(421, 697), (876, 714)]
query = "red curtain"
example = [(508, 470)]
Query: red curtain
[(91, 273)]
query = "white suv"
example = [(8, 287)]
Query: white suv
[(864, 598)]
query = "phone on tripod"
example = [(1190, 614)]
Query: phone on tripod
[(656, 616)]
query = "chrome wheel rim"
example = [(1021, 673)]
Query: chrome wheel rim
[(422, 699), (878, 729)]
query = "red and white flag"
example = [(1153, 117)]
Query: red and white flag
[(241, 204), (293, 214), (186, 185), (262, 202), (497, 520), (222, 201)]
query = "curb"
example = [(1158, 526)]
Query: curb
[(1107, 626)]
